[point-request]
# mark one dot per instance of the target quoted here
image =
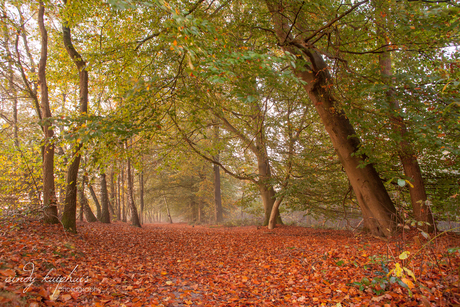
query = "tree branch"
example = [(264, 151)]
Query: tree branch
[(330, 23)]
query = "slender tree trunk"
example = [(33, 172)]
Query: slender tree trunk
[(123, 195), (105, 215), (217, 193), (82, 199), (113, 198), (89, 216), (49, 193), (11, 92), (111, 210), (96, 202), (167, 210), (119, 197), (69, 215), (141, 197), (132, 206), (406, 152), (378, 210), (217, 189)]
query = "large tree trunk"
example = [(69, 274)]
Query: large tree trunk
[(70, 207), (406, 152), (378, 210), (105, 215), (132, 206), (49, 193), (266, 189), (69, 215)]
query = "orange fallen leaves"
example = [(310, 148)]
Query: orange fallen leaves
[(177, 265)]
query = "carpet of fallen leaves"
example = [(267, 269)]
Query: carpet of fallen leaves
[(180, 265)]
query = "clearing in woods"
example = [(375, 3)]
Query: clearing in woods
[(181, 265)]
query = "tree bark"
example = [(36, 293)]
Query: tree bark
[(217, 189), (132, 206), (49, 193), (69, 215), (378, 210), (123, 203), (406, 152), (89, 216), (113, 196), (105, 215), (119, 197), (96, 202), (141, 197), (259, 149), (167, 210), (217, 192)]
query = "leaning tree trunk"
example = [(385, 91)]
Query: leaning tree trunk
[(49, 193), (96, 202), (132, 206), (406, 152), (105, 215), (70, 207), (89, 216), (378, 210)]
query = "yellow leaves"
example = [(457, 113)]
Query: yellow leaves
[(410, 273), (398, 271), (410, 184), (404, 255)]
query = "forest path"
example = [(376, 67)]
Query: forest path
[(180, 265)]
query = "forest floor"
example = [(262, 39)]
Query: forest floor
[(180, 265)]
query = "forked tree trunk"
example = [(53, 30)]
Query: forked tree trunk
[(378, 210), (70, 207), (105, 215), (49, 193), (132, 206), (406, 152), (266, 190)]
